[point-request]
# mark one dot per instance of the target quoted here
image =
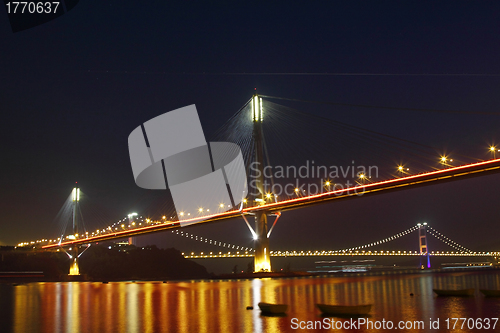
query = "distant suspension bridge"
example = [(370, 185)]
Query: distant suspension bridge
[(243, 252)]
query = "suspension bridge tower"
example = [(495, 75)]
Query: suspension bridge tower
[(74, 269), (262, 259), (422, 241)]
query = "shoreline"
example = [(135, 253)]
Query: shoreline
[(250, 276)]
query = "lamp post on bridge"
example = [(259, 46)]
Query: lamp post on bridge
[(262, 259), (74, 269)]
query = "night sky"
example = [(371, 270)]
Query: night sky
[(73, 89)]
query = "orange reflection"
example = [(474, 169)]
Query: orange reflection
[(220, 306)]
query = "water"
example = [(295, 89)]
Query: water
[(220, 306)]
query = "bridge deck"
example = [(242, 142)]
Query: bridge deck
[(434, 177)]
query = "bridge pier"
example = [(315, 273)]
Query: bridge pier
[(74, 268), (262, 259)]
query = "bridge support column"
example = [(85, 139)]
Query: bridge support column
[(422, 241), (74, 269), (262, 259)]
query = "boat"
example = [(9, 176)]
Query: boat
[(450, 292), (490, 292), (273, 308), (357, 310)]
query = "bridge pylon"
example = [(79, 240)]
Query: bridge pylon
[(423, 245), (262, 259), (74, 268)]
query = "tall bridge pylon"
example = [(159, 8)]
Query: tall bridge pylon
[(74, 269), (423, 245)]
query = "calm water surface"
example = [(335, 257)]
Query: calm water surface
[(220, 306)]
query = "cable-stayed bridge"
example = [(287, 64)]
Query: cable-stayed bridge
[(247, 128), (429, 178)]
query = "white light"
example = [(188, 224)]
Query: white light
[(255, 107), (261, 112), (253, 111)]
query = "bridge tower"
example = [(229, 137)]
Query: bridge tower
[(262, 259), (74, 269), (422, 241)]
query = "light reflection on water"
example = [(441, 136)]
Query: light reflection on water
[(220, 306)]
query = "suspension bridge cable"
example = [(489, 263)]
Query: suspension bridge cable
[(382, 241), (447, 240), (211, 241)]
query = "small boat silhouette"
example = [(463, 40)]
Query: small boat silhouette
[(273, 308), (490, 292), (450, 292)]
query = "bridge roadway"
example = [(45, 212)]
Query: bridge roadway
[(428, 178), (244, 254)]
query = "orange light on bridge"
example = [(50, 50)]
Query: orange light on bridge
[(390, 183), (493, 150)]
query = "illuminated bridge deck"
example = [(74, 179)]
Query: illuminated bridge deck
[(434, 177)]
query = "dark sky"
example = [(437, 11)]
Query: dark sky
[(72, 90)]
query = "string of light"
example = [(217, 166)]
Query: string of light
[(385, 240), (211, 241), (447, 240)]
